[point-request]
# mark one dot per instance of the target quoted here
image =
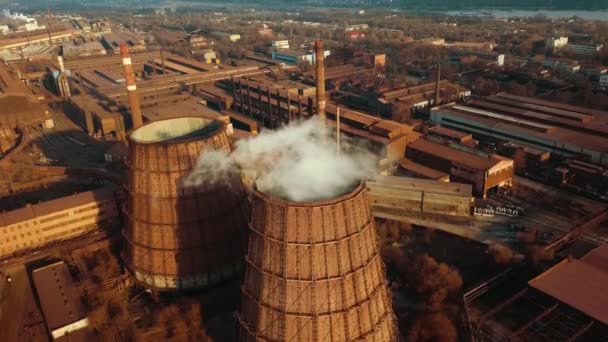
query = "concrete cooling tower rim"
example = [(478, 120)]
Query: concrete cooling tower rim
[(176, 130), (284, 202)]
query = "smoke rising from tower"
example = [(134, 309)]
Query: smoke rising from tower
[(298, 162)]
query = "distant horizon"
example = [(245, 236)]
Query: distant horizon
[(413, 5)]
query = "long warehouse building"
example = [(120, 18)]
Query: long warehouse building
[(561, 129), (39, 224)]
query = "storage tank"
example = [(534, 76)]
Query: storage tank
[(313, 272), (180, 237)]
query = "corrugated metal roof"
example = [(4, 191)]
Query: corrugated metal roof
[(553, 104), (577, 116), (578, 284), (426, 185), (59, 300), (555, 138), (421, 170), (598, 258), (504, 118), (453, 155), (449, 132)]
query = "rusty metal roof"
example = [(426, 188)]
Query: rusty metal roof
[(453, 155), (58, 296), (580, 284), (598, 258), (426, 185), (421, 170)]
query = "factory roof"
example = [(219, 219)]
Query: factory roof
[(84, 102), (566, 114), (421, 170), (553, 104), (351, 116), (56, 205), (87, 48), (514, 126), (31, 38), (454, 155), (448, 132), (115, 39), (389, 128), (25, 108), (504, 118), (30, 52), (361, 133), (59, 300), (598, 258), (426, 185), (339, 71), (527, 149), (579, 283), (291, 52)]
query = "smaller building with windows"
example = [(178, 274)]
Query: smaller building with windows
[(463, 164), (295, 57), (60, 219)]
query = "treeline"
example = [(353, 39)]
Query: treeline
[(442, 4)]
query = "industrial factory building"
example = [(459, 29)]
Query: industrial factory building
[(464, 164), (180, 236), (389, 101), (114, 40), (26, 109), (295, 57), (291, 101), (314, 272), (36, 38), (63, 311), (55, 220), (398, 194), (564, 130), (579, 283)]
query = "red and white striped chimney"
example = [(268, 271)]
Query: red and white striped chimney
[(136, 115)]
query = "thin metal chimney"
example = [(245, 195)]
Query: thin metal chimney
[(320, 73), (136, 116), (437, 95)]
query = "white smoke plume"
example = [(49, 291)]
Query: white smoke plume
[(298, 162)]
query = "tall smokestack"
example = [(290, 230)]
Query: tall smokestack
[(63, 83), (437, 97), (320, 73), (136, 116), (60, 62)]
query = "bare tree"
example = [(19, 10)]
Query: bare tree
[(435, 327)]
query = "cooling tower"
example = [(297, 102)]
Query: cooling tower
[(313, 272), (180, 237)]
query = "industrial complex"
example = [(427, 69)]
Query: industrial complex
[(474, 209)]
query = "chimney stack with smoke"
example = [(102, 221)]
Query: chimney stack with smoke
[(136, 116), (320, 73)]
